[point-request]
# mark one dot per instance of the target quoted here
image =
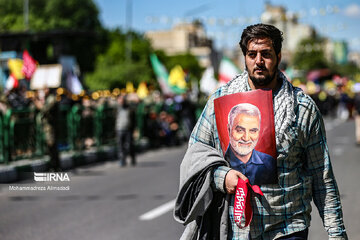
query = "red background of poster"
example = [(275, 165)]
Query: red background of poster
[(260, 98)]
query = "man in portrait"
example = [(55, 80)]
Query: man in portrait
[(244, 131)]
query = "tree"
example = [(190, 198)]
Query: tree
[(310, 55), (47, 15), (114, 70), (349, 69)]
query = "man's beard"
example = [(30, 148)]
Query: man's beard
[(263, 81), (241, 149)]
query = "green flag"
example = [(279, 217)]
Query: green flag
[(163, 77)]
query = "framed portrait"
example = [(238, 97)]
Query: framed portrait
[(245, 124)]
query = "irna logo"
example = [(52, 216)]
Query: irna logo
[(51, 177)]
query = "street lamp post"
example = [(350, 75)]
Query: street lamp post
[(128, 28), (26, 14)]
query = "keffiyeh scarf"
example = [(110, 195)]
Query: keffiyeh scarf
[(283, 101)]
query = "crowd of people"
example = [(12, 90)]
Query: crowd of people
[(136, 124), (157, 120), (334, 97)]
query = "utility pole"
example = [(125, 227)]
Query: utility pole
[(128, 29), (26, 14)]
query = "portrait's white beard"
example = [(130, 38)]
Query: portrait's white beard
[(240, 149)]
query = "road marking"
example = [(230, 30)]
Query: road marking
[(156, 212)]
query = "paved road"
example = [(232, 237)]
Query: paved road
[(108, 202), (104, 202), (345, 158)]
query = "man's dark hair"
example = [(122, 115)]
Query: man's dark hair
[(258, 31)]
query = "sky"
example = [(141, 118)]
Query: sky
[(224, 20)]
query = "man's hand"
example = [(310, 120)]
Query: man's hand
[(231, 180)]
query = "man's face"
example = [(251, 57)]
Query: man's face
[(244, 133), (261, 62)]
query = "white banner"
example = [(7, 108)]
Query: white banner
[(46, 76)]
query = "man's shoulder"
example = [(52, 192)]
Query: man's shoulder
[(233, 86), (303, 101)]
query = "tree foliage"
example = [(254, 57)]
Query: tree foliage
[(113, 69), (310, 55), (78, 18), (349, 69), (49, 15)]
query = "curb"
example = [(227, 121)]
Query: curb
[(68, 160)]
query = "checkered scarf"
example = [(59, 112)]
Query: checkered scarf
[(283, 101)]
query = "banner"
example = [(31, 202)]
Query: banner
[(46, 76), (242, 201), (245, 123)]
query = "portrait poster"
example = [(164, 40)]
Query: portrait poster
[(266, 143)]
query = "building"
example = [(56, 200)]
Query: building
[(182, 38), (354, 57), (293, 31)]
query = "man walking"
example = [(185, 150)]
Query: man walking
[(205, 202), (125, 125)]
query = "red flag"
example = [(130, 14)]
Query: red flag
[(29, 65), (11, 82)]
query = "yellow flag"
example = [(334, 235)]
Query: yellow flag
[(15, 65), (129, 87), (177, 77), (142, 91), (311, 88), (329, 85)]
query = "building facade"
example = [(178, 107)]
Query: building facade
[(293, 31), (182, 38)]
